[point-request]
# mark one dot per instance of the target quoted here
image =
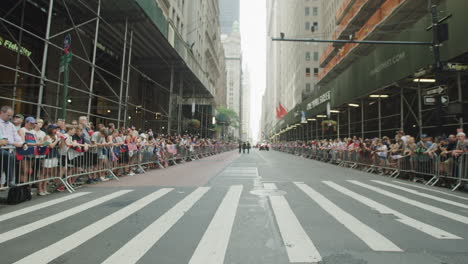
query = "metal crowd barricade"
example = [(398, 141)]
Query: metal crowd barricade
[(26, 167)]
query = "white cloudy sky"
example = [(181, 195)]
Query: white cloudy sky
[(253, 34)]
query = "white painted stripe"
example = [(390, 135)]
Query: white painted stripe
[(296, 241), (36, 207), (213, 245), (269, 186), (432, 190), (372, 238), (428, 229), (439, 199), (68, 243), (57, 217), (430, 208), (145, 240)]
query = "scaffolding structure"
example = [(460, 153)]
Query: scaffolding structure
[(123, 69)]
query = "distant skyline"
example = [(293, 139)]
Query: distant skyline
[(254, 37), (229, 12)]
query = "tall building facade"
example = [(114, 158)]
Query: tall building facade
[(292, 68), (374, 90), (233, 58), (230, 12), (245, 106)]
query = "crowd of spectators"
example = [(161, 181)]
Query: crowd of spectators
[(34, 150), (432, 155)]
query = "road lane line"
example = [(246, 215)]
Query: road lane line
[(212, 247), (430, 208), (269, 186), (63, 246), (432, 190), (372, 238), (297, 243), (36, 207), (423, 227), (422, 194), (145, 240), (57, 217)]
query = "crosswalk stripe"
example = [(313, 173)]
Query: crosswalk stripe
[(269, 186), (443, 200), (428, 229), (432, 190), (57, 217), (36, 207), (299, 246), (430, 208), (141, 243), (213, 245), (68, 243), (372, 238)]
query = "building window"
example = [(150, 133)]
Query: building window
[(307, 56), (307, 88), (316, 70), (316, 56), (307, 26), (307, 72), (315, 11), (307, 11), (315, 27)]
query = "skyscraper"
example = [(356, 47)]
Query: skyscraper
[(229, 13)]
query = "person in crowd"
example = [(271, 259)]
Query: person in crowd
[(248, 147), (103, 148), (61, 125), (462, 145), (244, 147), (50, 164), (76, 155), (9, 138), (83, 123), (26, 156), (18, 121), (240, 147)]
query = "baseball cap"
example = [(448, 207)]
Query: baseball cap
[(143, 135), (52, 127), (19, 116), (30, 119)]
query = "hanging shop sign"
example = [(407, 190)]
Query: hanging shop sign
[(14, 47), (319, 100), (436, 90)]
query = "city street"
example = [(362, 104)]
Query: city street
[(262, 207)]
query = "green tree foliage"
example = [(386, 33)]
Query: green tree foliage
[(227, 117)]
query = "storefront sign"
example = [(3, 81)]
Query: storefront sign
[(14, 47), (317, 101)]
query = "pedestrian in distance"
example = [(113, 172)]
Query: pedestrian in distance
[(244, 146), (240, 147), (248, 147)]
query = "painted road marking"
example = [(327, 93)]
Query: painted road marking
[(213, 245), (70, 242), (57, 217), (298, 244), (432, 190), (145, 240), (372, 238), (36, 207), (428, 229), (423, 194), (430, 208)]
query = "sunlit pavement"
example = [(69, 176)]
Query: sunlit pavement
[(262, 207)]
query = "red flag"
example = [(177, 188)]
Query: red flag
[(278, 116), (282, 110)]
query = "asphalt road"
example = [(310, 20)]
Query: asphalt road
[(262, 207)]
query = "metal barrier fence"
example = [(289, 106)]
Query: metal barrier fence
[(429, 168), (63, 166)]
